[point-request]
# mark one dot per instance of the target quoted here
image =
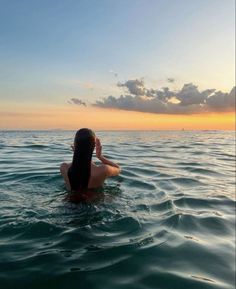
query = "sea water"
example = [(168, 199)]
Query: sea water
[(166, 222)]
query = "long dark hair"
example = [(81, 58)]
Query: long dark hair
[(80, 169)]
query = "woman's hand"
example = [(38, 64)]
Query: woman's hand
[(111, 168), (98, 148)]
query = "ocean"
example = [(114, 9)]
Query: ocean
[(166, 222)]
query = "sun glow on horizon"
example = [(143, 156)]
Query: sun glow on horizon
[(74, 117)]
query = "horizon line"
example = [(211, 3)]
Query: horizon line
[(58, 129)]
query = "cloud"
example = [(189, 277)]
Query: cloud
[(221, 101), (190, 94), (187, 100), (135, 87), (76, 101), (164, 94)]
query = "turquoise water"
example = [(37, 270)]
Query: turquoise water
[(166, 222)]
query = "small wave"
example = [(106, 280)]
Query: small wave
[(185, 164), (181, 147), (123, 225), (186, 181), (139, 184), (144, 171), (29, 146), (40, 229), (43, 178), (203, 225), (203, 171), (204, 203), (163, 206)]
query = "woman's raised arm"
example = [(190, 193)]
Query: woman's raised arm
[(112, 169)]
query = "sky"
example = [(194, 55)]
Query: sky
[(137, 64)]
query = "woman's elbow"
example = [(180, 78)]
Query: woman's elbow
[(112, 171), (119, 170)]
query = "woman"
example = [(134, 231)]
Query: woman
[(82, 174)]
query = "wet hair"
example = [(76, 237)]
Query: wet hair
[(80, 169)]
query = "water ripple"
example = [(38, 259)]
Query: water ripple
[(166, 222)]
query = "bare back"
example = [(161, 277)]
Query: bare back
[(96, 180)]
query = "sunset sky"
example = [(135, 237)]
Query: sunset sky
[(137, 64)]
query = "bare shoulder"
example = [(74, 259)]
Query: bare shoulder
[(64, 167)]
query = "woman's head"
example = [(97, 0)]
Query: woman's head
[(79, 172), (84, 138)]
